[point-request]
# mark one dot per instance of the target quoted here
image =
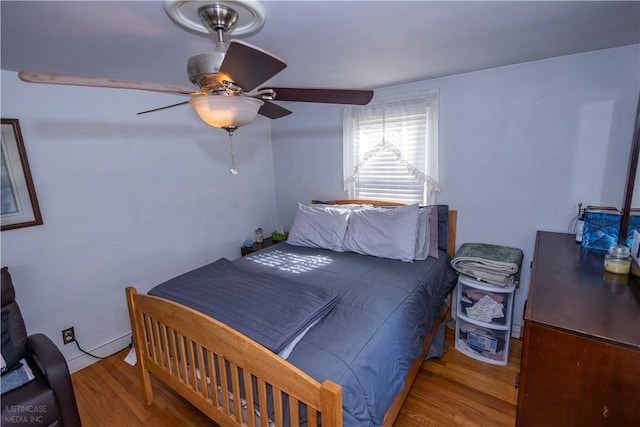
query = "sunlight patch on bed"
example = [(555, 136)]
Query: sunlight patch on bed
[(292, 263)]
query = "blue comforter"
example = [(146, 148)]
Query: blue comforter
[(368, 342)]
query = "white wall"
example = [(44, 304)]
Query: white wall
[(307, 157), (126, 200), (520, 146)]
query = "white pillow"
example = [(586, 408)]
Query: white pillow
[(423, 236), (319, 226), (383, 232)]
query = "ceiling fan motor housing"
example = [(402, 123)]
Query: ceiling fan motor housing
[(202, 70)]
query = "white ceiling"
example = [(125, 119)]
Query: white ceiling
[(358, 44)]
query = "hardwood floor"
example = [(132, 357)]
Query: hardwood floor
[(453, 391), (460, 391)]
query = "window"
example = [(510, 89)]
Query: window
[(391, 150)]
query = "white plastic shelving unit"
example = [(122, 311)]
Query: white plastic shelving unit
[(483, 320)]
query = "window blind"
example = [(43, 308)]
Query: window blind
[(388, 146)]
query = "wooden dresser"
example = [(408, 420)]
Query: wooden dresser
[(581, 351)]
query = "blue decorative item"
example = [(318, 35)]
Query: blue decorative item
[(248, 243), (601, 229), (634, 224)]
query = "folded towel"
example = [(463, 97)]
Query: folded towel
[(498, 265)]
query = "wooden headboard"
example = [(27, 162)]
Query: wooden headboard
[(453, 216)]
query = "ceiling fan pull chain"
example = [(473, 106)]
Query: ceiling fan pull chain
[(233, 170)]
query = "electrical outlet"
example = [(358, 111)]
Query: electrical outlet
[(68, 335)]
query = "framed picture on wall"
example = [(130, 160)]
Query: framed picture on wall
[(18, 203)]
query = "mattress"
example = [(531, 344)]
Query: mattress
[(368, 342)]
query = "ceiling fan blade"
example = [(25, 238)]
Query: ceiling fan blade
[(68, 79), (328, 96), (248, 66), (273, 111), (163, 108)]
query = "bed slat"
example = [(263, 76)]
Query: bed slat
[(312, 417), (150, 334), (182, 357), (248, 386), (262, 399), (213, 379), (174, 351), (237, 402), (166, 354), (294, 412), (193, 378), (224, 386), (277, 405), (200, 358)]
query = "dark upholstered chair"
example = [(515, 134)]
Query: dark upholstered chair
[(48, 400)]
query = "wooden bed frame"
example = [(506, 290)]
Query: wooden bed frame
[(163, 329)]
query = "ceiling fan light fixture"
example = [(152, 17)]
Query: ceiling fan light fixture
[(226, 111)]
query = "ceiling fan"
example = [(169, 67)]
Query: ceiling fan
[(227, 79)]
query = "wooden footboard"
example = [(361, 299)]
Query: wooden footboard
[(222, 372)]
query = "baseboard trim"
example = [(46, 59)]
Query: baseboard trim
[(82, 360), (516, 330)]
